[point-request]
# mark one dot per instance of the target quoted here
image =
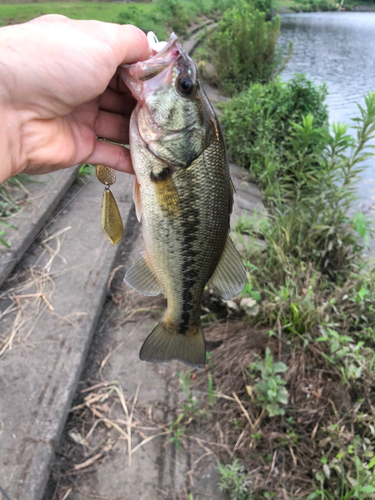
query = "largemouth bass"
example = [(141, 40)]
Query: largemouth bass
[(184, 194)]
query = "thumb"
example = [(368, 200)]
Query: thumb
[(128, 43)]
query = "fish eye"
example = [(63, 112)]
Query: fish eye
[(185, 85)]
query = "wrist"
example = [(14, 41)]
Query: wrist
[(10, 145)]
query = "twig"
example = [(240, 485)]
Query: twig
[(104, 362), (96, 386), (112, 275), (130, 422), (293, 456), (56, 234), (67, 494), (200, 458), (8, 343), (244, 411), (125, 408), (147, 440), (141, 309), (50, 307), (93, 459)]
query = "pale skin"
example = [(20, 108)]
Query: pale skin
[(60, 92)]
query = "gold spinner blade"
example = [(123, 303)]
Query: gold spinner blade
[(110, 216)]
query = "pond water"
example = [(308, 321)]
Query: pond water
[(337, 48)]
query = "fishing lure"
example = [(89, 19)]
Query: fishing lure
[(110, 216)]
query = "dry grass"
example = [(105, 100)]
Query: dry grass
[(111, 418), (105, 422), (321, 418), (25, 302), (28, 294)]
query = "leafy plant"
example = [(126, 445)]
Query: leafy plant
[(3, 233), (310, 194), (336, 481), (175, 13), (152, 19), (234, 480), (258, 124), (8, 204), (84, 171), (190, 408), (270, 391), (244, 48)]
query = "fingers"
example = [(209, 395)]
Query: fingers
[(117, 102), (128, 43), (112, 127), (111, 155)]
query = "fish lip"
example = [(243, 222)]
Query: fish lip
[(134, 75), (172, 41)]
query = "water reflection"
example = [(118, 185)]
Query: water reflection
[(337, 48)]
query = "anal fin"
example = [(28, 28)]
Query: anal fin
[(229, 277), (141, 277)]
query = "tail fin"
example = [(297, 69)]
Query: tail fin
[(164, 344)]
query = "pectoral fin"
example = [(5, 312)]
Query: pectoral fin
[(142, 278), (229, 277)]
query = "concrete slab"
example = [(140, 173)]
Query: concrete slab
[(248, 202), (158, 471), (196, 37), (44, 197), (39, 375)]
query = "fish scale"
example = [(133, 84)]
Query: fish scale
[(184, 194)]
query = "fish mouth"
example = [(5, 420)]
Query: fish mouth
[(158, 68)]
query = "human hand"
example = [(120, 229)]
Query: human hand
[(59, 91)]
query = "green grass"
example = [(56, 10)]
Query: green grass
[(100, 11)]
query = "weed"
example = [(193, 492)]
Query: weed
[(3, 233), (8, 203), (175, 13), (234, 480), (270, 391), (316, 299), (335, 482), (244, 48), (258, 124), (311, 195), (84, 172), (190, 409)]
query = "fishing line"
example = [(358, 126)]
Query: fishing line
[(4, 494), (54, 219)]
